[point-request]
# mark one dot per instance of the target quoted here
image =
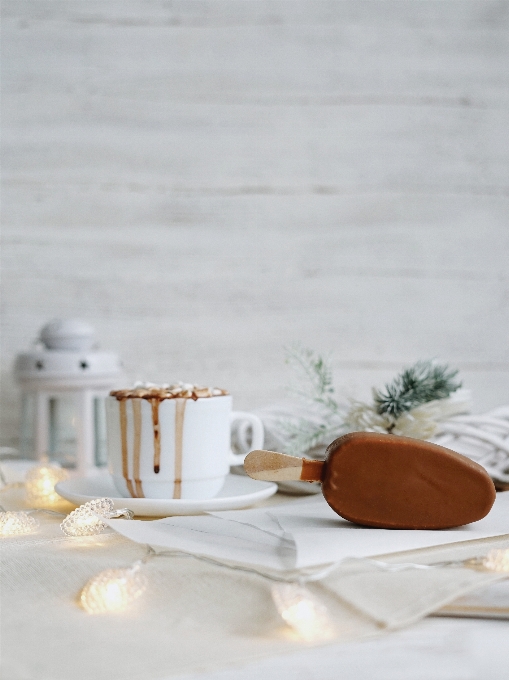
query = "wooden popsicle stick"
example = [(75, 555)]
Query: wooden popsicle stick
[(270, 466)]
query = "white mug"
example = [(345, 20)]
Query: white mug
[(174, 448)]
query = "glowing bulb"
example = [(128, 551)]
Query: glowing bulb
[(497, 560), (86, 520), (302, 612), (112, 590), (40, 484), (16, 523)]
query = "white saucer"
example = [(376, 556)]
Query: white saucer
[(237, 492)]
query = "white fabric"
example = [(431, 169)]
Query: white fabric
[(396, 599), (321, 536), (483, 438), (300, 534), (212, 536), (193, 616)]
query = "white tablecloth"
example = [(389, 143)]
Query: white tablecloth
[(195, 618)]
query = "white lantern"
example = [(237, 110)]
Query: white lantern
[(64, 381)]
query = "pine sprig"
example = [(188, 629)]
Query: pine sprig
[(315, 373), (305, 435), (322, 418), (423, 382)]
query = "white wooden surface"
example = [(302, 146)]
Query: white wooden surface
[(207, 181)]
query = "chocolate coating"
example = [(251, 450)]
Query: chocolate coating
[(392, 482)]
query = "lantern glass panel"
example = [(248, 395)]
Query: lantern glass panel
[(63, 432), (27, 427), (100, 432)]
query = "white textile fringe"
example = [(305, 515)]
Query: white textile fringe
[(482, 438)]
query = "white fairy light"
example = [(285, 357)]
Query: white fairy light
[(497, 560), (17, 523), (299, 608), (40, 484), (113, 590), (87, 519)]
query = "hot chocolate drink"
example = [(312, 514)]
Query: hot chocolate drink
[(172, 441)]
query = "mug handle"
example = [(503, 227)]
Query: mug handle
[(257, 436)]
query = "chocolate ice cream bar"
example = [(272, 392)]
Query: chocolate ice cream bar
[(387, 481)]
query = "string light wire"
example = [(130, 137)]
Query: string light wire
[(114, 590)]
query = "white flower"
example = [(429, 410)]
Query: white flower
[(418, 423), (362, 417), (421, 422)]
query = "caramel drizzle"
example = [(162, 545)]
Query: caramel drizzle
[(123, 436), (180, 408), (157, 434), (155, 396), (137, 447)]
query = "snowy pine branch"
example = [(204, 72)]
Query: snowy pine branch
[(423, 382)]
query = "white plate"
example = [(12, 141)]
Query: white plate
[(237, 492)]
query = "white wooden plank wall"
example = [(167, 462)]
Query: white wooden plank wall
[(207, 181)]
